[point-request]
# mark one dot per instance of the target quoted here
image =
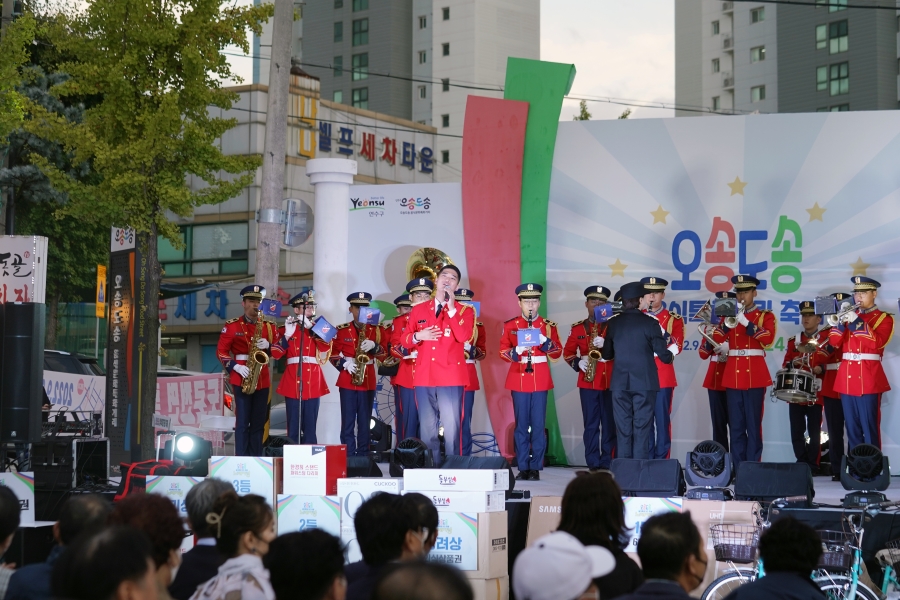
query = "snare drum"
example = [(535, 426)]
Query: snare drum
[(795, 386)]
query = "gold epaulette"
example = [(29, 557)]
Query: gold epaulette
[(511, 320), (675, 315), (343, 326), (479, 323), (550, 323), (234, 320), (577, 323), (387, 324)]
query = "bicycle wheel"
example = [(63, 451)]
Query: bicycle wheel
[(727, 583), (837, 587)]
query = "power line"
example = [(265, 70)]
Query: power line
[(827, 4)]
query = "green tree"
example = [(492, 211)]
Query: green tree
[(625, 113), (13, 54), (159, 68), (583, 114)]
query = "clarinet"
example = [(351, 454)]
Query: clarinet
[(528, 367)]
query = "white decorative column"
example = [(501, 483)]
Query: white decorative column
[(331, 178)]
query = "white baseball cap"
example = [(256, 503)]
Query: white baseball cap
[(558, 567)]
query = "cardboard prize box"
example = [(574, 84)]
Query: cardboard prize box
[(248, 474), (173, 487), (354, 491), (475, 543), (297, 513), (543, 517), (348, 539), (313, 470), (467, 502), (458, 480), (490, 589), (22, 485), (705, 513), (638, 510)]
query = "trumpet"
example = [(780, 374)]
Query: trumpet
[(731, 322), (835, 319), (705, 315)]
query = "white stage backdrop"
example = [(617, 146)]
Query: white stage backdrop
[(803, 201)]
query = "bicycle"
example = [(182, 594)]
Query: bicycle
[(888, 559), (738, 545)]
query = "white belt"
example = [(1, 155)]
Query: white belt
[(832, 366), (746, 353), (855, 356), (470, 361), (714, 359), (241, 357), (310, 360), (412, 355), (534, 359)]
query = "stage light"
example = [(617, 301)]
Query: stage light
[(709, 468), (865, 472), (411, 453), (380, 438), (192, 452), (185, 445)]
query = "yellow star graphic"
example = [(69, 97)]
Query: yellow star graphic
[(816, 212), (737, 186), (618, 268), (659, 215), (859, 267)]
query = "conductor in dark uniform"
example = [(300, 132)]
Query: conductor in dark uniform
[(632, 338)]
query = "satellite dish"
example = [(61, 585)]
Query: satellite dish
[(298, 222)]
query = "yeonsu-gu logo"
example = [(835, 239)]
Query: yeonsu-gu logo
[(364, 203)]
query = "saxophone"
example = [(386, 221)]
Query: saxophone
[(362, 359), (593, 355), (256, 358)]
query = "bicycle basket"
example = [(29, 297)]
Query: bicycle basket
[(735, 543), (892, 550), (836, 550)]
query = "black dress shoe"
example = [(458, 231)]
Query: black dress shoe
[(835, 477), (523, 476), (534, 476)]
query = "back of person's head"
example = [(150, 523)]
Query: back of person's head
[(83, 514), (667, 542), (418, 580), (382, 523), (10, 513), (232, 516), (593, 511), (305, 565), (428, 517), (157, 518), (790, 546), (103, 565), (199, 502)]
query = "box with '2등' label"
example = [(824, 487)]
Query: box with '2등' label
[(458, 480), (467, 502), (299, 513)]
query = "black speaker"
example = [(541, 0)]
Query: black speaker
[(480, 462), (21, 371), (649, 478), (362, 466), (764, 482), (274, 445)]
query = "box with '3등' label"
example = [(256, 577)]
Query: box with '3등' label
[(456, 480)]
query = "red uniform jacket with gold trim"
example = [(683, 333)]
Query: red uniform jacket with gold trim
[(829, 358), (540, 379), (578, 344), (234, 341), (314, 385), (344, 345), (868, 334), (476, 353), (747, 372), (791, 353), (440, 362), (716, 370), (407, 368), (674, 326)]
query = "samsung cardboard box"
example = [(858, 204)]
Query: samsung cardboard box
[(457, 480), (543, 517), (22, 485), (638, 510), (354, 491), (297, 513), (467, 502), (476, 543), (248, 474), (490, 589), (313, 470)]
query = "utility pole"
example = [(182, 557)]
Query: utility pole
[(268, 232), (7, 214)]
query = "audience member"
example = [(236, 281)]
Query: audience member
[(244, 526), (202, 562), (593, 512), (387, 530), (84, 514), (428, 518), (158, 519), (10, 514), (115, 563), (790, 551), (673, 558), (419, 580), (307, 565), (559, 567)]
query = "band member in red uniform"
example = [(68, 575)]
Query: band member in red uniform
[(861, 337), (746, 374), (596, 397), (529, 378), (356, 339), (403, 305), (419, 291), (673, 325), (251, 410), (806, 417), (302, 387), (830, 358), (439, 330), (476, 350), (718, 402)]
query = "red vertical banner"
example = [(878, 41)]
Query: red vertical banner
[(493, 146)]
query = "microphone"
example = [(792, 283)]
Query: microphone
[(446, 293)]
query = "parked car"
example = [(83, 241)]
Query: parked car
[(64, 362)]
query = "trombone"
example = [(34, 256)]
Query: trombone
[(835, 319), (705, 315)]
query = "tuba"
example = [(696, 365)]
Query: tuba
[(705, 315), (426, 262), (593, 355), (256, 358), (362, 359)]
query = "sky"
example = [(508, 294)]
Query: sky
[(620, 48)]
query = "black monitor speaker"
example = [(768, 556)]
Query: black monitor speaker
[(765, 482), (21, 371), (662, 478), (363, 466)]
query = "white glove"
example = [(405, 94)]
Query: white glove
[(598, 341), (852, 316), (674, 349), (262, 343), (467, 346), (743, 320), (367, 345), (583, 363), (520, 350), (350, 365), (307, 323), (543, 339), (242, 370), (289, 328), (723, 349)]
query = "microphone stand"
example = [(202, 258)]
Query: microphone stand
[(300, 364), (528, 367)]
